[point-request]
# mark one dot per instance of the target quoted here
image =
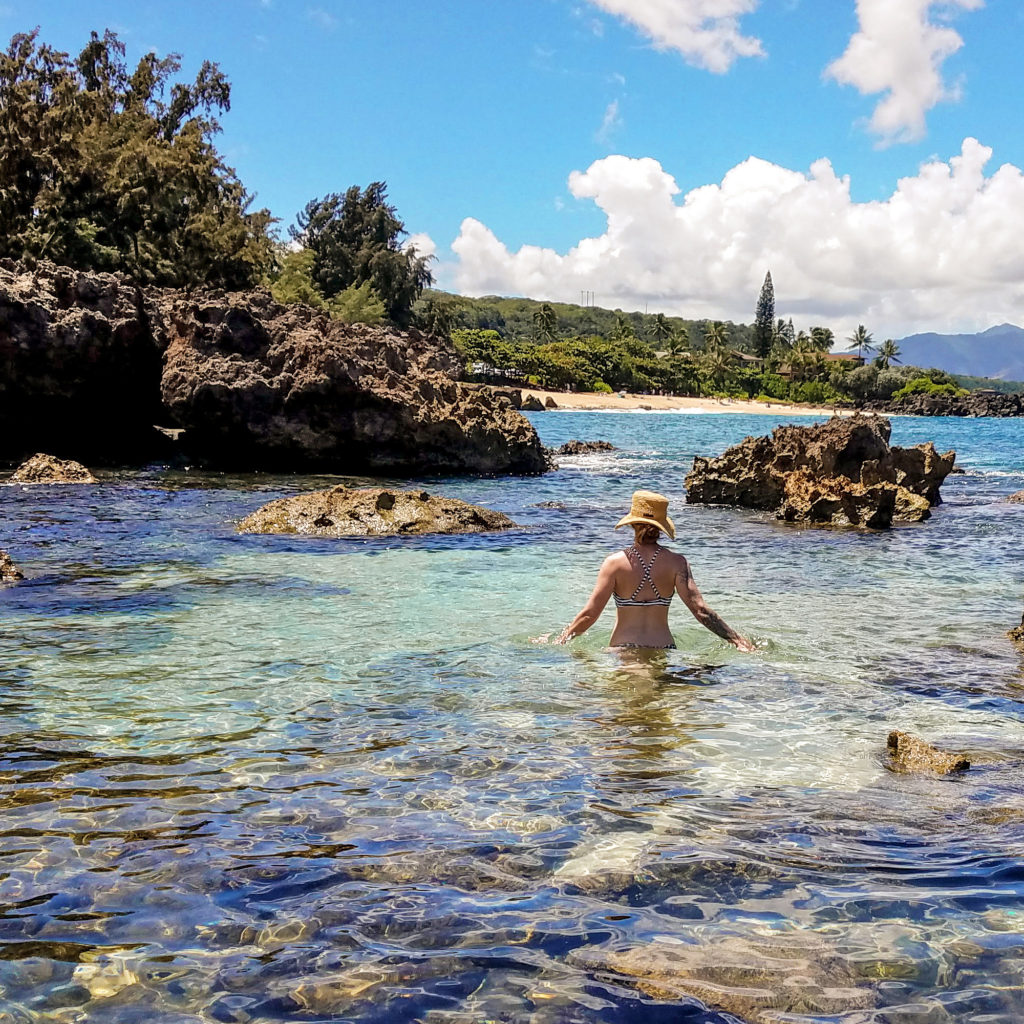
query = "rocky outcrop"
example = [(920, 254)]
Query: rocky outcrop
[(256, 384), (550, 403), (839, 473), (345, 512), (80, 360), (1017, 633), (757, 980), (910, 754), (1017, 498), (531, 403), (89, 362), (9, 572), (46, 469), (975, 403), (584, 447)]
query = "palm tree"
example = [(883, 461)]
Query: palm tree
[(888, 353), (782, 334), (679, 341), (860, 340), (545, 322), (717, 363), (822, 338), (716, 335), (623, 328), (660, 328)]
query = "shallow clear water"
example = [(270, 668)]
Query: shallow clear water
[(282, 779)]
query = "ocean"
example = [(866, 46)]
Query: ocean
[(264, 779)]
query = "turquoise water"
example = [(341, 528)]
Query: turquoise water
[(280, 779)]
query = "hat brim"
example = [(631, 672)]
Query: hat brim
[(666, 527)]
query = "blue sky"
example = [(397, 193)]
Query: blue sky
[(476, 114)]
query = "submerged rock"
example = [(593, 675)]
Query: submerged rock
[(755, 979), (346, 512), (840, 473), (9, 572), (910, 754), (46, 469), (585, 447)]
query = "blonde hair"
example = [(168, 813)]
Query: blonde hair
[(645, 534)]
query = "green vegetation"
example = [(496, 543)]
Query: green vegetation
[(355, 240), (104, 167), (764, 317)]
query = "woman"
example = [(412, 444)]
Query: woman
[(641, 579)]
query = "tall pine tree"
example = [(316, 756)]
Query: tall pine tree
[(764, 317)]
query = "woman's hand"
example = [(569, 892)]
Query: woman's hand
[(741, 643)]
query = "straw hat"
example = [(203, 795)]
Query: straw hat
[(651, 509)]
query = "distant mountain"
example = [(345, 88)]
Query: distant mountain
[(997, 352)]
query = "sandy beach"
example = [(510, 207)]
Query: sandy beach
[(670, 403)]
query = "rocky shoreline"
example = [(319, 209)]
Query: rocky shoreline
[(95, 368), (974, 404)]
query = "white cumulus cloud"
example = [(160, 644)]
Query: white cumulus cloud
[(706, 32), (942, 252), (422, 243), (899, 52)]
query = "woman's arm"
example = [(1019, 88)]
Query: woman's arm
[(591, 611), (694, 600)]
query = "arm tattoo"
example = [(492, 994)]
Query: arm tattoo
[(715, 622)]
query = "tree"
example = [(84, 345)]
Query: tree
[(679, 341), (860, 340), (716, 335), (717, 363), (623, 328), (888, 353), (99, 172), (355, 238), (545, 322), (764, 317), (660, 328), (822, 338), (783, 336)]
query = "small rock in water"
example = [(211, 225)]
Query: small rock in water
[(910, 754), (531, 403), (584, 447), (560, 505), (9, 572), (550, 403), (372, 512), (1017, 498), (1017, 633), (45, 469)]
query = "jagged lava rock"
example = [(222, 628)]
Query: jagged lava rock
[(584, 447), (842, 472), (1017, 498), (46, 469), (80, 357), (9, 572), (911, 754), (371, 512), (257, 383)]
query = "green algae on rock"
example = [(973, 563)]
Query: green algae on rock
[(372, 512)]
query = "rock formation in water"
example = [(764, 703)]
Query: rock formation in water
[(531, 403), (1017, 498), (839, 473), (259, 384), (758, 980), (584, 447), (89, 362), (80, 360), (1017, 633), (9, 572), (46, 469), (910, 754), (973, 404), (344, 512)]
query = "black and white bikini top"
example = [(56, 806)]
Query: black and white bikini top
[(631, 601)]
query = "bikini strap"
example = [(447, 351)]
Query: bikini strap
[(646, 577)]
